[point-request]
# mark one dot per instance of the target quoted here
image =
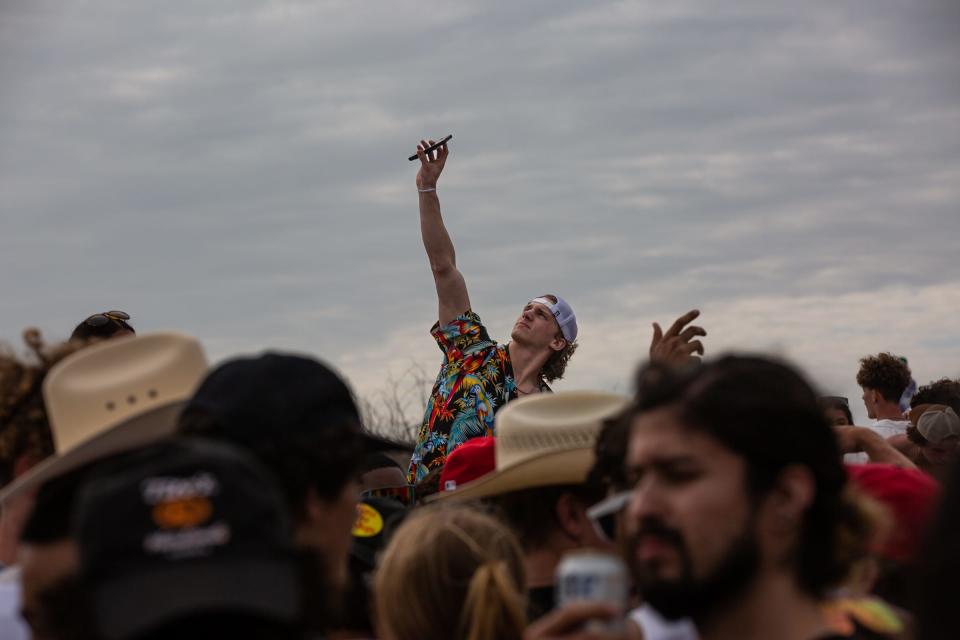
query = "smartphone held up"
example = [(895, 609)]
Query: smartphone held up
[(433, 147)]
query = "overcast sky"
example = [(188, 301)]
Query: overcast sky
[(237, 170)]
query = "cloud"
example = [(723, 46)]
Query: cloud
[(237, 170)]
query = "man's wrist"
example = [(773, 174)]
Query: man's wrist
[(427, 188)]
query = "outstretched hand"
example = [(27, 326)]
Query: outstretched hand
[(568, 623), (677, 346), (431, 164)]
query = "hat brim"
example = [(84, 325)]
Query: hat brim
[(374, 443), (135, 604), (570, 466), (135, 432)]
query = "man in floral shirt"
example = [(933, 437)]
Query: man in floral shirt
[(478, 376)]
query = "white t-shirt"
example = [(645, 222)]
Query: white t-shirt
[(886, 428), (656, 627), (12, 626)]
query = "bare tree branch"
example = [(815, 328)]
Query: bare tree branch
[(396, 409)]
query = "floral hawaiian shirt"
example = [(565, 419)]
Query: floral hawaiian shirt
[(475, 380), (862, 618)]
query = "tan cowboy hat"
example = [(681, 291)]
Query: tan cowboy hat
[(111, 397), (543, 440)]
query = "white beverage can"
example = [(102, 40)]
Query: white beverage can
[(594, 576)]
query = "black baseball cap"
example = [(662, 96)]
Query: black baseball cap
[(185, 527), (377, 518), (279, 397)]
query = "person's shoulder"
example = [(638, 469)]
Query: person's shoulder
[(463, 336), (654, 626), (467, 324), (11, 625), (10, 575), (887, 427), (893, 423), (467, 318)]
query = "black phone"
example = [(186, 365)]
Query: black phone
[(433, 147)]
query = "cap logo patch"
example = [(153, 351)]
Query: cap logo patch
[(369, 522), (165, 488), (180, 514), (178, 507)]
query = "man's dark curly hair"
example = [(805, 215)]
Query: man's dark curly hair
[(768, 414), (885, 373), (611, 451), (942, 391), (25, 437), (556, 365)]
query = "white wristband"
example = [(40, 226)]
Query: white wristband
[(431, 189)]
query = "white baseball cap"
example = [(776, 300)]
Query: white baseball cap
[(935, 422), (563, 313)]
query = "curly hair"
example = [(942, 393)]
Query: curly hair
[(885, 373), (942, 391), (25, 437), (555, 366), (557, 363)]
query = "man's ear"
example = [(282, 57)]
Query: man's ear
[(559, 343), (791, 496), (312, 520), (314, 508), (571, 516)]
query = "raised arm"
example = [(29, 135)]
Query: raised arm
[(856, 439), (452, 296)]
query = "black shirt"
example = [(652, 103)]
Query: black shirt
[(540, 602)]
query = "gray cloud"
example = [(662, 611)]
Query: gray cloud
[(237, 170)]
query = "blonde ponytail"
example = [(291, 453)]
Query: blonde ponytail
[(451, 572), (493, 609)]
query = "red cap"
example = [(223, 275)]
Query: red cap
[(469, 461), (909, 494)]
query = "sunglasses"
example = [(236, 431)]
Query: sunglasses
[(101, 319), (603, 515), (405, 494)]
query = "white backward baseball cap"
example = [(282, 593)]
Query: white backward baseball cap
[(563, 313), (935, 422)]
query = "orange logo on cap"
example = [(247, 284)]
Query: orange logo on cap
[(369, 522), (180, 514)]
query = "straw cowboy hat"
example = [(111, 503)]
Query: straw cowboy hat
[(543, 440), (111, 397)]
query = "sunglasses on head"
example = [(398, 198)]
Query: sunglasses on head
[(405, 494), (101, 319), (603, 515)]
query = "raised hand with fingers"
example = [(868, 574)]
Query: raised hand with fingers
[(431, 164), (678, 345)]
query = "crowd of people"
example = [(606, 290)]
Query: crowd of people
[(147, 495)]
